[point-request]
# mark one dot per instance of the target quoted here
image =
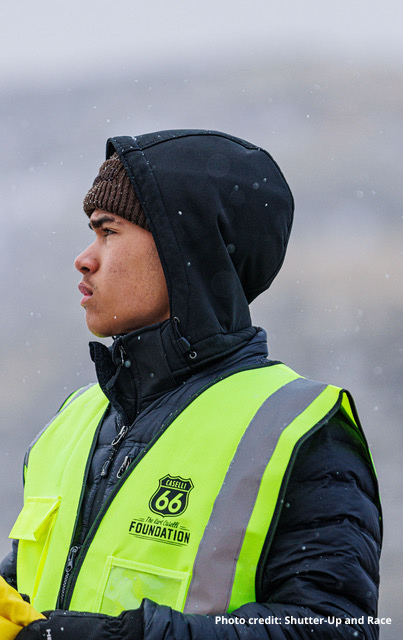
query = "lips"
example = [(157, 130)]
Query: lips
[(86, 292)]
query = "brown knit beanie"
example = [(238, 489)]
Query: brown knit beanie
[(112, 191)]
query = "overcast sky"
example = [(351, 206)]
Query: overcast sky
[(49, 37)]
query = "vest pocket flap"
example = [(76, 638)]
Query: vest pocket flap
[(34, 518)]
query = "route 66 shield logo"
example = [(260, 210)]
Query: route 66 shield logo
[(172, 496)]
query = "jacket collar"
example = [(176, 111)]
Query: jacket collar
[(138, 367), (143, 365)]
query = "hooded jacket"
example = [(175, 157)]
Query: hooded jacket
[(221, 212)]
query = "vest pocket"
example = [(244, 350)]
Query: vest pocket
[(124, 584), (33, 529)]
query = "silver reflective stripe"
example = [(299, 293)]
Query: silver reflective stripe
[(74, 396), (217, 556)]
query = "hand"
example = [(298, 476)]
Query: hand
[(77, 625), (15, 613)]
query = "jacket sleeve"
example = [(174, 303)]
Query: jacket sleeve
[(322, 570), (8, 566)]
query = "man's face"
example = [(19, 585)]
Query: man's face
[(123, 283)]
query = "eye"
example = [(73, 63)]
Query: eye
[(107, 232)]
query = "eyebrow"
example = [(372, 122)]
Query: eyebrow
[(98, 222)]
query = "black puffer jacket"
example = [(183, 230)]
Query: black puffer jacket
[(323, 560)]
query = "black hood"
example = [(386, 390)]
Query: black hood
[(220, 212)]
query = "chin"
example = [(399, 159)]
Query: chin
[(100, 332)]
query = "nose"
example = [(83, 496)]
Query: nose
[(86, 262)]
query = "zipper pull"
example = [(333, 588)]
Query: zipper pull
[(105, 466), (69, 567), (120, 436), (115, 442), (124, 466), (70, 559), (123, 361)]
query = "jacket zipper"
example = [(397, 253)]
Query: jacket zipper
[(69, 567), (66, 575), (75, 549)]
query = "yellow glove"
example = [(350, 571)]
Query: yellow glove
[(15, 613)]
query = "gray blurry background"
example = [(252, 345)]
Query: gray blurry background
[(317, 84)]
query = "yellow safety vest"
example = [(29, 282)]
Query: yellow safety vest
[(187, 523)]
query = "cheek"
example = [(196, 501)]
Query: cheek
[(134, 282), (155, 275), (120, 272)]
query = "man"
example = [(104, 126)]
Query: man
[(199, 490)]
